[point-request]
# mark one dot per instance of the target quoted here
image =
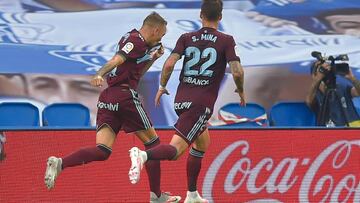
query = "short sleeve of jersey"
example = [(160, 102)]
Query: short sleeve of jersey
[(131, 47), (230, 50), (180, 46)]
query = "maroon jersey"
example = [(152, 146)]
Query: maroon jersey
[(206, 52), (137, 53)]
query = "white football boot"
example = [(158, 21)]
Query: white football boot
[(194, 197), (137, 163), (165, 197), (53, 170)]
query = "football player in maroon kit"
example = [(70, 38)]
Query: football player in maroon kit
[(206, 51), (119, 106)]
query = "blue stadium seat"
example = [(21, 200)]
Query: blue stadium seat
[(251, 115), (66, 114), (356, 101), (288, 114), (19, 114)]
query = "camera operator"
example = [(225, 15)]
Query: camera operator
[(340, 109)]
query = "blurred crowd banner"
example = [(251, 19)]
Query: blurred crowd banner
[(80, 42), (298, 165), (53, 38)]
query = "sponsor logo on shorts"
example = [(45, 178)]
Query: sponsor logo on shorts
[(195, 81), (182, 105), (108, 106)]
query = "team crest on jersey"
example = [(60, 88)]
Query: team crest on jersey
[(128, 47)]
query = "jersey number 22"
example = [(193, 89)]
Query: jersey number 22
[(196, 56)]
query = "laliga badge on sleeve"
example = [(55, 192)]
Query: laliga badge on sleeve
[(128, 47)]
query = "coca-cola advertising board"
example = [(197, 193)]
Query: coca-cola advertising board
[(249, 165)]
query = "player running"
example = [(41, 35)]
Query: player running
[(119, 106), (206, 53)]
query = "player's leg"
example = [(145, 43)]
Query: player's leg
[(188, 127), (138, 121), (139, 158), (193, 166), (169, 152), (151, 140), (109, 124), (105, 138), (180, 144), (192, 128), (154, 155)]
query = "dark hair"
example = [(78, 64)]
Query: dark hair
[(212, 9), (345, 11), (154, 19)]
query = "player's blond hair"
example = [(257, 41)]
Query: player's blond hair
[(154, 19)]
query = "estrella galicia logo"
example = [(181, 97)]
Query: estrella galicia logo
[(92, 59)]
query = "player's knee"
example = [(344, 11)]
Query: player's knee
[(196, 153), (176, 157), (106, 151), (178, 154), (152, 143)]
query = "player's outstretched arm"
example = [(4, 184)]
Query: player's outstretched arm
[(98, 79), (165, 76), (238, 74)]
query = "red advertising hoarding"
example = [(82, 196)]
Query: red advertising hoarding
[(241, 166)]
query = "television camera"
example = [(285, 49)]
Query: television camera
[(338, 65)]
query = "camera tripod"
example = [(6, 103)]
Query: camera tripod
[(325, 114)]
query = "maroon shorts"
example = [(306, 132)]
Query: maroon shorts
[(121, 108), (192, 121)]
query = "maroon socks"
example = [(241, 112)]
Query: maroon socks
[(193, 168), (153, 168), (162, 152), (86, 155)]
